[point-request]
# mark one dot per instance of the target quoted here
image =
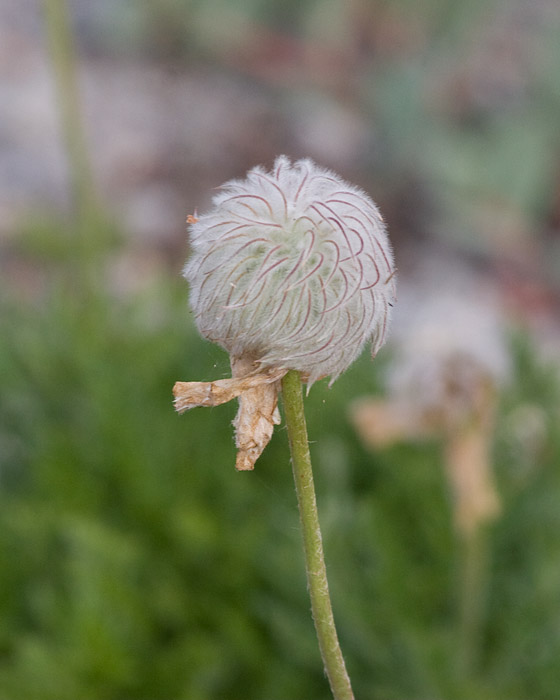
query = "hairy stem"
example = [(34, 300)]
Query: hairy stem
[(312, 540)]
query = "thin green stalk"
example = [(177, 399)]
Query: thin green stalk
[(475, 561), (90, 233), (63, 57), (313, 545)]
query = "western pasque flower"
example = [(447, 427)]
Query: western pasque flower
[(290, 269)]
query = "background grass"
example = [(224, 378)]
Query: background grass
[(136, 563)]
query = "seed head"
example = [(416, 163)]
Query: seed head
[(293, 269), (290, 269)]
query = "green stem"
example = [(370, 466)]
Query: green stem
[(312, 540), (89, 233), (63, 57), (474, 574)]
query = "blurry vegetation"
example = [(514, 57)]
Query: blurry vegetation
[(135, 563), (441, 84)]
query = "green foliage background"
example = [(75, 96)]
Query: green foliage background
[(136, 563)]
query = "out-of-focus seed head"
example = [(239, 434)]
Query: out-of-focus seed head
[(293, 269)]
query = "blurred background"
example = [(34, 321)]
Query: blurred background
[(135, 563)]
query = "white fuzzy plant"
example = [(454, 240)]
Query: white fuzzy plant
[(291, 271)]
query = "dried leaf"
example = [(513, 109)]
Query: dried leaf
[(258, 413), (192, 394), (258, 405), (470, 474), (254, 423), (382, 423)]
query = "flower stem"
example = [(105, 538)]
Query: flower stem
[(63, 57), (90, 232), (312, 540), (475, 553)]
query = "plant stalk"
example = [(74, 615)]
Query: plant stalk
[(475, 562), (313, 545), (88, 234), (63, 58)]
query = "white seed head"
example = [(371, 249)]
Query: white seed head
[(292, 268)]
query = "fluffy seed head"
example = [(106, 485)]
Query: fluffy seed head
[(292, 268)]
